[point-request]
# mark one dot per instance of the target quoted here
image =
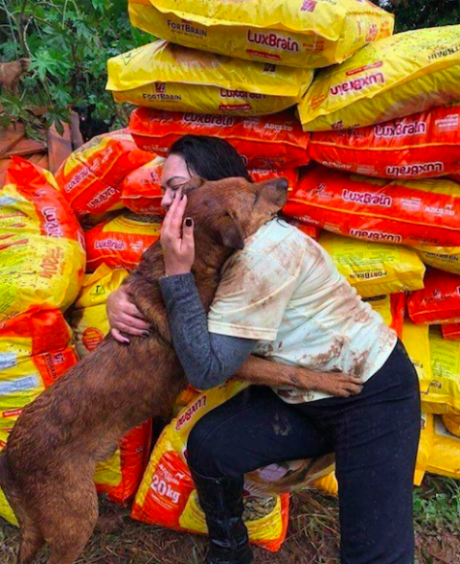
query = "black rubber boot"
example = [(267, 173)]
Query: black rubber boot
[(222, 502)]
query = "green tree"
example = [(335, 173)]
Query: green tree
[(415, 14), (68, 43)]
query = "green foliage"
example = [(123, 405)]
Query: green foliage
[(415, 14), (68, 43)]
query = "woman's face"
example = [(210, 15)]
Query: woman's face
[(175, 174)]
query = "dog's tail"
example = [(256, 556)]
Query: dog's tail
[(31, 538)]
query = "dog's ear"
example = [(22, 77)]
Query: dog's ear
[(231, 233), (192, 184)]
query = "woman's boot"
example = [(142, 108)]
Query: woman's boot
[(222, 502)]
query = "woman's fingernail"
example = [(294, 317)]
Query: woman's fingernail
[(145, 334), (189, 222)]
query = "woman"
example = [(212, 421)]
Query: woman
[(282, 297)]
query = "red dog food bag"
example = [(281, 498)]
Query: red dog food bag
[(417, 212), (438, 302), (424, 145), (121, 241), (451, 331), (91, 176), (141, 189), (275, 141)]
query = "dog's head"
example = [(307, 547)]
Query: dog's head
[(232, 209), (24, 64)]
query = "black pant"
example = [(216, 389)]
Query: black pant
[(374, 436)]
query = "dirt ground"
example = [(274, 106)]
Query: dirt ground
[(312, 539)]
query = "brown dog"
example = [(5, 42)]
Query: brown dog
[(47, 467), (10, 73)]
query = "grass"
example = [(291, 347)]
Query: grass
[(313, 534)]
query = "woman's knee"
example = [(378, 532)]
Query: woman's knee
[(201, 449)]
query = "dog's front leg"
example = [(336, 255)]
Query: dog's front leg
[(264, 372)]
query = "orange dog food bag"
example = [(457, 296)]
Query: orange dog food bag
[(121, 242), (91, 176), (35, 351), (417, 212), (141, 189), (425, 145), (438, 302), (169, 77), (267, 142), (451, 332)]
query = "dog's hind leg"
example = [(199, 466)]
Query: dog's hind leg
[(69, 514), (31, 542), (31, 538)]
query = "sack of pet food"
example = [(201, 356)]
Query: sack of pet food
[(89, 319), (121, 242), (91, 176), (141, 190), (417, 212), (267, 142), (395, 77), (442, 258), (443, 394), (309, 230), (374, 269), (290, 174), (120, 475), (298, 33), (425, 447), (424, 145), (167, 496), (173, 78), (445, 458), (42, 257), (451, 332), (452, 423), (35, 351), (416, 340), (438, 302)]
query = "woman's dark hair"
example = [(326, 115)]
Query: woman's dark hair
[(211, 158)]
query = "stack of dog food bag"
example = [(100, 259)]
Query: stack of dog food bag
[(41, 272), (364, 124), (367, 151)]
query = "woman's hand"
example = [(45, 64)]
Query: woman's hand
[(124, 316), (177, 238)]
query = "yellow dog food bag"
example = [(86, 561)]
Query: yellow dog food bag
[(443, 394), (425, 447), (42, 257), (89, 320), (416, 340), (442, 258), (297, 33), (452, 423), (167, 495), (398, 76), (445, 458), (375, 269), (169, 77)]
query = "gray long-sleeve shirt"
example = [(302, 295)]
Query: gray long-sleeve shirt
[(208, 359)]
